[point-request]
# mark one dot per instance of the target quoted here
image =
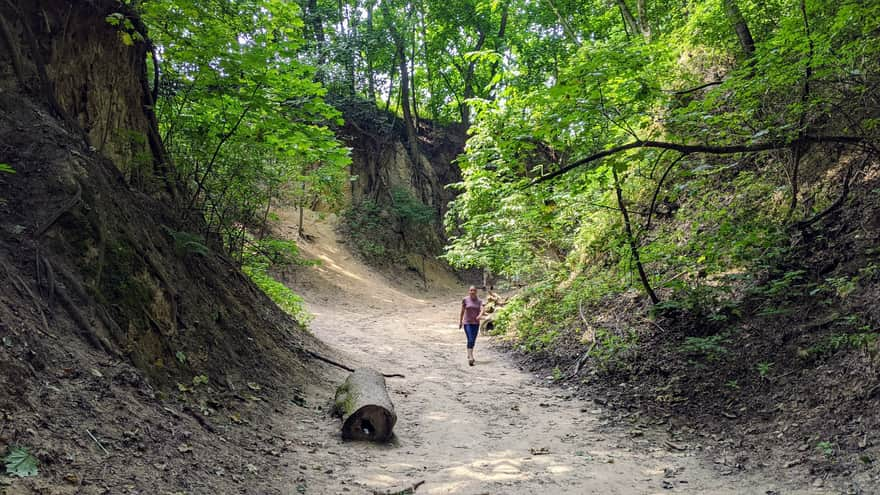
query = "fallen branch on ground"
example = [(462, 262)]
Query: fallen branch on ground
[(346, 368), (406, 491)]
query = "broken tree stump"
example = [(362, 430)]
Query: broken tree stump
[(365, 407)]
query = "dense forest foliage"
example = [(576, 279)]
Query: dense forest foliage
[(681, 148), (593, 125), (684, 195)]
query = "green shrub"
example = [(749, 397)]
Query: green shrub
[(261, 256)]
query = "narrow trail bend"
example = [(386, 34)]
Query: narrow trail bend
[(487, 429)]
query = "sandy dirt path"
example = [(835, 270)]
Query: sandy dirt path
[(487, 429)]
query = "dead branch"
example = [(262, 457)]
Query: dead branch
[(803, 224), (634, 249), (581, 361), (652, 322), (346, 368), (694, 89), (97, 442), (583, 358)]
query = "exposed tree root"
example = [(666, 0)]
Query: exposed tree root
[(45, 279), (200, 419), (23, 289), (41, 229), (87, 329)]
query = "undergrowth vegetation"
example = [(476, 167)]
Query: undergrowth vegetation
[(245, 124), (261, 258), (385, 232)]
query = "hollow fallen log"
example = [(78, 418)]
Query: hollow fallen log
[(365, 407)]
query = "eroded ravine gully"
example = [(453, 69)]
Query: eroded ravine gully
[(487, 429)]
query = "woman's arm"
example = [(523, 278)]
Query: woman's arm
[(461, 316)]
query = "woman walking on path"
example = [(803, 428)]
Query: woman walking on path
[(469, 319)]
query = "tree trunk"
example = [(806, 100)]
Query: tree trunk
[(313, 17), (368, 55), (563, 22), (499, 47), (629, 22), (365, 407), (353, 43), (468, 77), (734, 15), (644, 25), (302, 208), (411, 134), (799, 147)]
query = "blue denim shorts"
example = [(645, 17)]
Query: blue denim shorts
[(471, 329)]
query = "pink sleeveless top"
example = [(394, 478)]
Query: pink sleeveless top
[(471, 310)]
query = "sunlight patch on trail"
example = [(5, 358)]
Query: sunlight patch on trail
[(338, 269)]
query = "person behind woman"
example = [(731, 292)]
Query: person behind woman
[(469, 319)]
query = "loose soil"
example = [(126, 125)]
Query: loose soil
[(487, 429)]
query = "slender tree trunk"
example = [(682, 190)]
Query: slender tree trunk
[(505, 9), (302, 207), (563, 22), (313, 19), (428, 72), (631, 240), (390, 88), (411, 134), (644, 25), (368, 54), (800, 147), (468, 77), (629, 21), (734, 15), (265, 221), (353, 52), (412, 80)]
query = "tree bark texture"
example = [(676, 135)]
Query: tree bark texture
[(734, 15), (366, 409)]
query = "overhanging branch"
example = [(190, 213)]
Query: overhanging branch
[(697, 148)]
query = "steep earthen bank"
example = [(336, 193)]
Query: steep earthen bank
[(119, 341)]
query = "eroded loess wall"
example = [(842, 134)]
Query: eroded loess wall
[(67, 54)]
